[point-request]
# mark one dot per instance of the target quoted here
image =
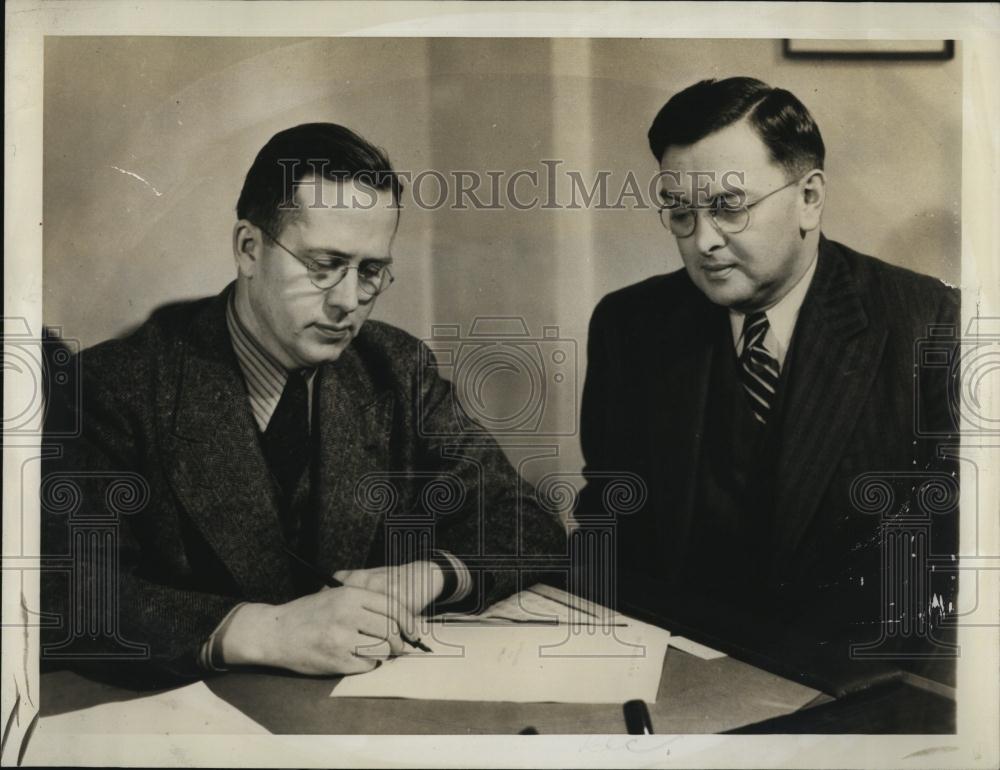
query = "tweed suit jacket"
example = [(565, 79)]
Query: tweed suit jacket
[(853, 400), (169, 404)]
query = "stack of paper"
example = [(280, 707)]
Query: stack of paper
[(530, 648)]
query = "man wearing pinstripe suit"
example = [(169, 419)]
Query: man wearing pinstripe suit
[(752, 389)]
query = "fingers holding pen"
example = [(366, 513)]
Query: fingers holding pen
[(397, 614), (343, 630)]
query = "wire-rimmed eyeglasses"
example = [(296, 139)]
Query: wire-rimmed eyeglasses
[(374, 276), (728, 214)]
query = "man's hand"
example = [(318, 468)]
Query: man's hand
[(336, 631), (413, 585)]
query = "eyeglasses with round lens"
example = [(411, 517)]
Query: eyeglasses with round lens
[(374, 276), (727, 212), (682, 220)]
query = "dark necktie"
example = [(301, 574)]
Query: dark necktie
[(758, 369), (286, 440)]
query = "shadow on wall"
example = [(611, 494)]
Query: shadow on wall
[(922, 243)]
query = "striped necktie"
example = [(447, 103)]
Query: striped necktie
[(758, 368)]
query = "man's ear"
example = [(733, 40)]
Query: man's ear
[(813, 198), (246, 246)]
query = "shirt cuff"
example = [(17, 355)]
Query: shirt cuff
[(457, 578), (210, 652)]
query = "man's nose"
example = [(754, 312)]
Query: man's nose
[(707, 236), (344, 296)]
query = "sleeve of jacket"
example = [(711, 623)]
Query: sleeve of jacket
[(593, 433), (590, 577), (105, 610), (486, 514), (940, 400)]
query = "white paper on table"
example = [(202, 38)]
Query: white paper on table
[(542, 601), (193, 709), (523, 663)]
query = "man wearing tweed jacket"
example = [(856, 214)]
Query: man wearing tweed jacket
[(279, 440)]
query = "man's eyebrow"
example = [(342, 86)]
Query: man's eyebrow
[(672, 197), (331, 252)]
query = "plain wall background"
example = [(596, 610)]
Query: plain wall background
[(187, 115)]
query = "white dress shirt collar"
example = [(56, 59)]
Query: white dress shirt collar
[(781, 317)]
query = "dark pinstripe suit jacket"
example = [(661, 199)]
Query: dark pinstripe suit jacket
[(169, 403), (853, 399)]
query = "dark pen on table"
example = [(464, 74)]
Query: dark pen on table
[(332, 582), (637, 719)]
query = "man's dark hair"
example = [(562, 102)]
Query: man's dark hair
[(782, 121), (307, 150)]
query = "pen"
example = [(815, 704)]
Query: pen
[(331, 582), (496, 620)]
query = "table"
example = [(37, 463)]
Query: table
[(695, 696)]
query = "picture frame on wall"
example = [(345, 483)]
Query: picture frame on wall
[(889, 50)]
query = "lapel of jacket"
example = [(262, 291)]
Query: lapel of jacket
[(835, 354), (681, 364), (217, 464), (355, 424)]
